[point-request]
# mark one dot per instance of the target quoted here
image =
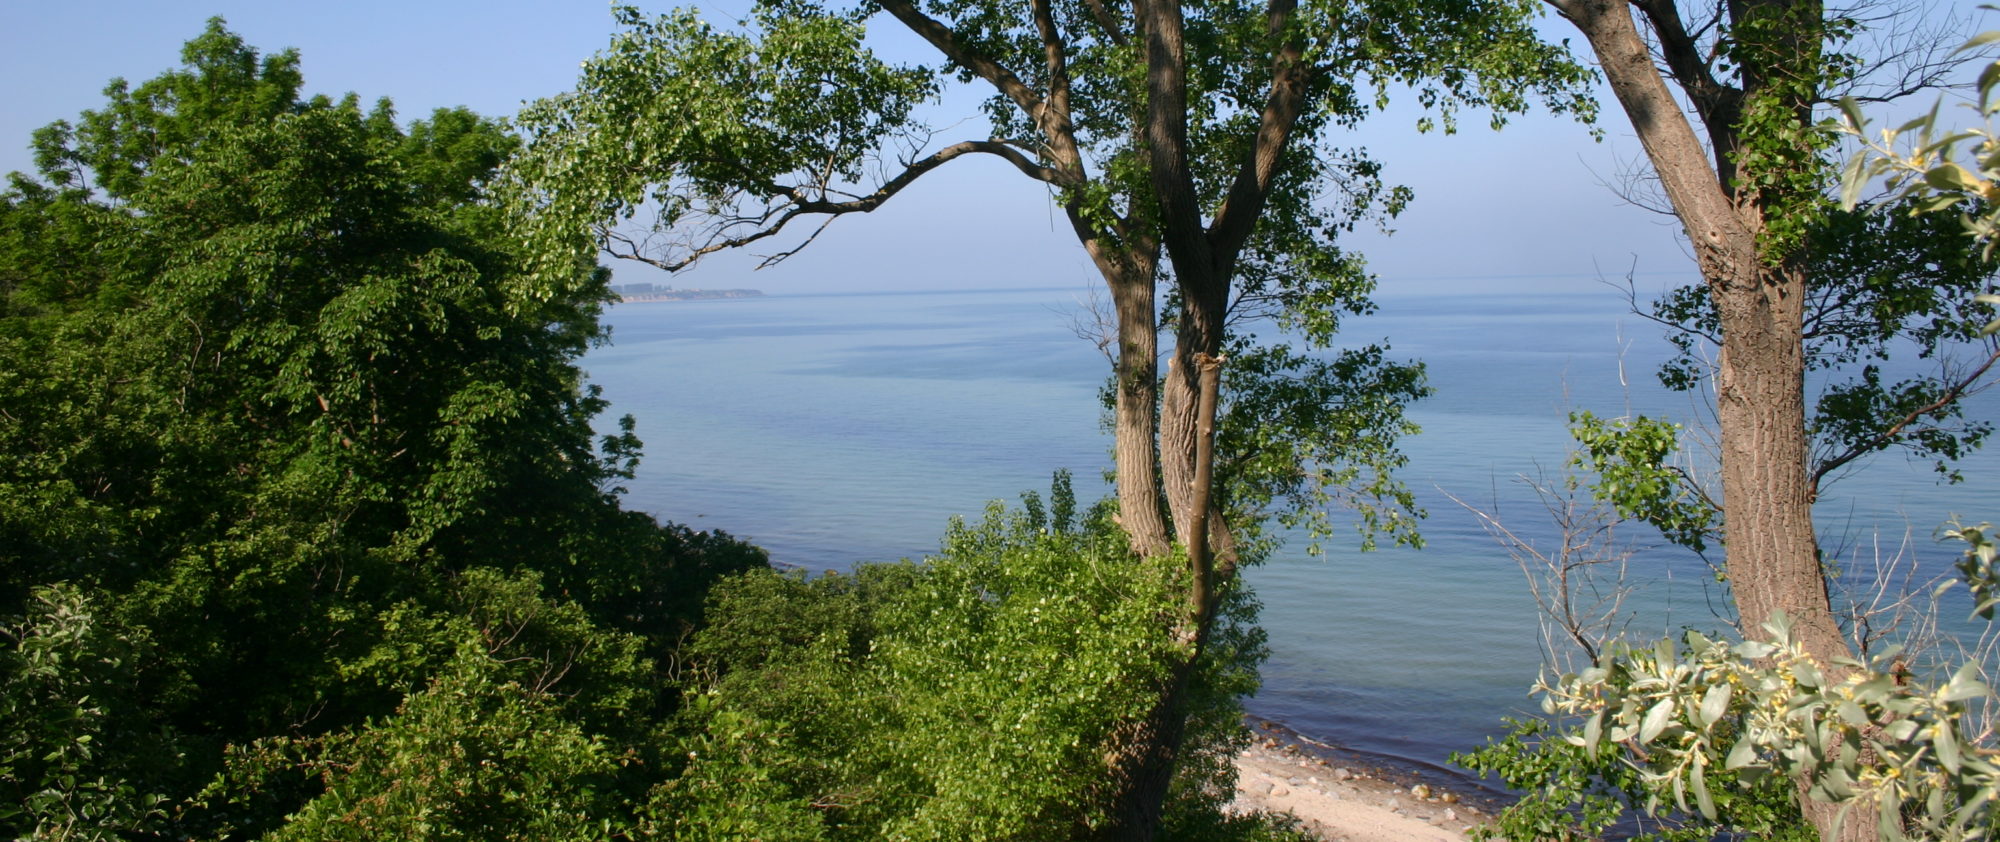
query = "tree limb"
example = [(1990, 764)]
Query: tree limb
[(1054, 119), (798, 204), (1684, 59), (1107, 22), (1166, 133), (1959, 389), (946, 42), (1282, 107)]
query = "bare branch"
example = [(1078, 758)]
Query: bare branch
[(1579, 609), (1913, 45), (1093, 320), (1629, 289), (769, 260), (792, 202), (1681, 50)]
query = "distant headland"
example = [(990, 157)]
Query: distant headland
[(655, 292)]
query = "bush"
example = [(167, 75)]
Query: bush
[(971, 696)]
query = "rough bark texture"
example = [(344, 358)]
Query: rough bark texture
[(1772, 553), (1135, 416), (1199, 335), (1203, 253), (1130, 275)]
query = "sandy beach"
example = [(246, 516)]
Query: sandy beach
[(1348, 798)]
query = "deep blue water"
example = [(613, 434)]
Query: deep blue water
[(836, 428)]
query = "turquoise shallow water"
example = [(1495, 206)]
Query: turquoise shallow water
[(836, 428)]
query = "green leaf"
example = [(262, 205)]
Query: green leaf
[(1980, 40), (1702, 798)]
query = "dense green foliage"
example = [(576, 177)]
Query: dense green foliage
[(1709, 734), (307, 535), (972, 696), (301, 510), (1573, 792), (1888, 288)]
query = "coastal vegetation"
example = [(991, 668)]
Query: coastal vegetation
[(307, 535), (309, 528), (304, 528), (1709, 733), (1195, 153)]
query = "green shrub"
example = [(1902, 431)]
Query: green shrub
[(1571, 792), (972, 696)]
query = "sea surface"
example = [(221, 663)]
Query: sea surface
[(838, 428)]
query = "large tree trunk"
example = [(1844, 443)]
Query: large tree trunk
[(1143, 760), (1199, 334), (1131, 274), (1145, 755), (1772, 553), (1135, 416)]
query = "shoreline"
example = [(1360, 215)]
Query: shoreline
[(689, 295), (1344, 794)]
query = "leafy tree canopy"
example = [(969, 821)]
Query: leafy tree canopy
[(286, 455)]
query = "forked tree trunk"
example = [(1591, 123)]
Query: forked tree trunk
[(1771, 551), (1143, 759), (1146, 754), (1199, 335)]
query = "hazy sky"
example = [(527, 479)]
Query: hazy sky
[(1524, 208)]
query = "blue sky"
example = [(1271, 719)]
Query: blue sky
[(1524, 209)]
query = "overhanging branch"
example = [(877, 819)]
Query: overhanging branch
[(1958, 389), (946, 41), (794, 202)]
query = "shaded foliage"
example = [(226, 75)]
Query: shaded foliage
[(290, 469), (1887, 285), (972, 695)]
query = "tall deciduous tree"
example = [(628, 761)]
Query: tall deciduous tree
[(1745, 170), (1192, 141), (271, 414)]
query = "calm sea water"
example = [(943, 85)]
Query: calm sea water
[(832, 429)]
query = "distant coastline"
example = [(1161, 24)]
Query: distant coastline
[(631, 293)]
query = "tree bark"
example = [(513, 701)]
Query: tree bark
[(1145, 756), (1771, 550), (1143, 759), (1198, 335), (1131, 276)]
